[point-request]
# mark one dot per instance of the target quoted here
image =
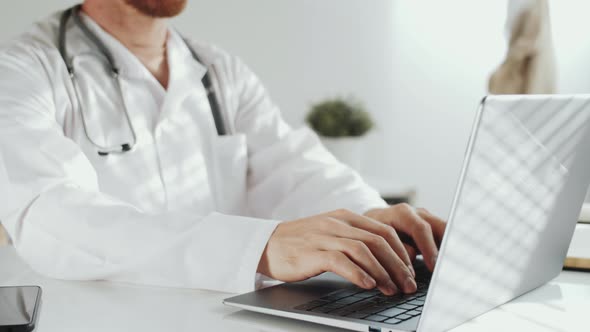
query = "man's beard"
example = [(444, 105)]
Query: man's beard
[(158, 8)]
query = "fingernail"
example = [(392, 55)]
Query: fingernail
[(412, 270), (410, 285), (369, 282)]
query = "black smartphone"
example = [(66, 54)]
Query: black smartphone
[(19, 308)]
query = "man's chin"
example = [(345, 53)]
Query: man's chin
[(158, 8)]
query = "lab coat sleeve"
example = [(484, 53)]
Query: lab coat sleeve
[(64, 227), (291, 174)]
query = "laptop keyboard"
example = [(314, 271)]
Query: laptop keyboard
[(372, 305)]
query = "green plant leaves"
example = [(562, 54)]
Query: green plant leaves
[(339, 118)]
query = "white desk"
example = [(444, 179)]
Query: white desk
[(562, 305)]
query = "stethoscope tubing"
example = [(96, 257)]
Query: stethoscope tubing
[(73, 13)]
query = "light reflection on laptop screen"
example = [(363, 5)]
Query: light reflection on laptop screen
[(511, 221)]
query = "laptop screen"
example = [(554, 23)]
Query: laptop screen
[(522, 186)]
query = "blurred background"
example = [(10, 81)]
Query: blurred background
[(419, 67)]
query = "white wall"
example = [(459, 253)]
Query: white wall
[(421, 67), (570, 31)]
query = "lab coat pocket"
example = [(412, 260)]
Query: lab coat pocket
[(228, 171)]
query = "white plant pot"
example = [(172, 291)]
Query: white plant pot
[(347, 150)]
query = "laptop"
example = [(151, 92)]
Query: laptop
[(523, 182)]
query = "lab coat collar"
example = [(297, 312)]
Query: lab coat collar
[(185, 73), (181, 63)]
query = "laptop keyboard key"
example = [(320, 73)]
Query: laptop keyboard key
[(361, 305), (376, 318), (392, 312), (341, 312), (371, 310), (414, 313), (407, 306), (348, 300), (376, 299), (403, 317), (392, 321), (392, 301), (357, 315), (331, 298), (357, 303), (337, 305), (417, 303), (323, 309), (364, 295), (338, 295)]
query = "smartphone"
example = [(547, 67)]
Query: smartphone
[(19, 308)]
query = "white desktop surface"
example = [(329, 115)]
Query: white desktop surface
[(561, 305)]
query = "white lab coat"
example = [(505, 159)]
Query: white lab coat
[(185, 208)]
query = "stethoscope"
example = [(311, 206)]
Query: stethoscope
[(74, 13)]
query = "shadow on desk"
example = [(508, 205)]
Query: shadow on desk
[(551, 292), (270, 323)]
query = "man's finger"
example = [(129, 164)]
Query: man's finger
[(385, 231), (438, 225), (411, 251), (412, 224), (339, 263), (362, 256), (397, 269)]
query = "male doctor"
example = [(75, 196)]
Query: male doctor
[(181, 205)]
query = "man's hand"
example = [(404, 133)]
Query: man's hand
[(365, 251), (423, 230)]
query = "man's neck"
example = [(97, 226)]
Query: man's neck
[(144, 36)]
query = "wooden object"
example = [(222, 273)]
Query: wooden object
[(577, 263), (578, 256)]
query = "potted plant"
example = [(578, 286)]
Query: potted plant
[(341, 123)]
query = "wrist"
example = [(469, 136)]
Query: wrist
[(264, 263)]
